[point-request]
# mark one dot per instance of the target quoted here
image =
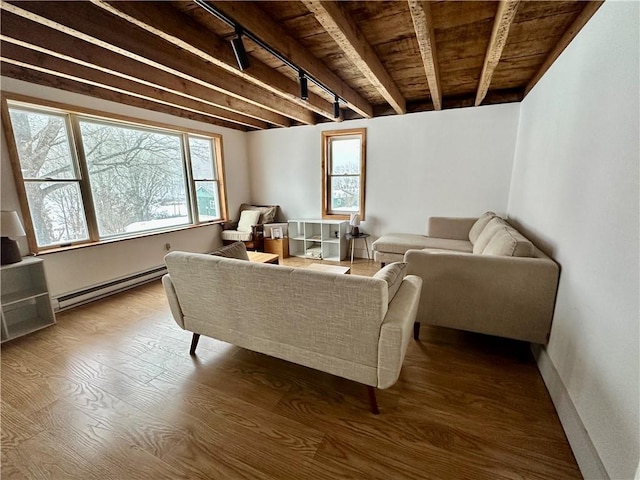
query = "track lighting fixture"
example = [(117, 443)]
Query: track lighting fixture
[(304, 88), (243, 59), (238, 50)]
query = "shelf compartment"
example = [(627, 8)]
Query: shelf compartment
[(27, 316)]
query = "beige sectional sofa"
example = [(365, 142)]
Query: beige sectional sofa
[(480, 275), (346, 325)]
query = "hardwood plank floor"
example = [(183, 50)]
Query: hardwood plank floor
[(111, 392)]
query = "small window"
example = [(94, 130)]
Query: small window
[(343, 173)]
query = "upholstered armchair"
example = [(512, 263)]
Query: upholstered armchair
[(249, 228)]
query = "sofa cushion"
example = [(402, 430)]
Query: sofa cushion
[(399, 242), (510, 243), (495, 224), (477, 227), (235, 236), (235, 250), (393, 274), (448, 244), (247, 219), (267, 214)]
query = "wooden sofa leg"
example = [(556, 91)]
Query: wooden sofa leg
[(416, 330), (373, 403), (194, 343)]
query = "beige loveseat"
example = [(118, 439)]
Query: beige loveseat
[(344, 325), (480, 275)]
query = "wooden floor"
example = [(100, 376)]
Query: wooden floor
[(111, 392)]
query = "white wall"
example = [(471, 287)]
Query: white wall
[(453, 162), (575, 187), (76, 269)]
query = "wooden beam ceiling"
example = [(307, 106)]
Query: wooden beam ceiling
[(29, 74), (501, 25), (98, 27), (251, 17), (357, 49), (425, 35), (42, 61), (164, 21)]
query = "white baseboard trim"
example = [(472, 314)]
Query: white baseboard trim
[(586, 454)]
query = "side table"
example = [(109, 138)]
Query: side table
[(352, 239)]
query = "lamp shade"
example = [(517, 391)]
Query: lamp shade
[(354, 220), (10, 225)]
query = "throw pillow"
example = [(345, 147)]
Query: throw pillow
[(267, 214), (247, 219), (393, 274), (477, 228), (235, 250)]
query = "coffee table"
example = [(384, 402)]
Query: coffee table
[(261, 257), (323, 267)]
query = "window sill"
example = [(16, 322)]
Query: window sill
[(124, 239)]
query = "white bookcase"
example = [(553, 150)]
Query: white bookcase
[(26, 306), (321, 239)]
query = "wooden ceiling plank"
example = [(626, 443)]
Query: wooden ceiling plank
[(357, 48), (501, 25), (21, 31), (28, 74), (96, 26), (36, 60), (255, 20), (164, 21), (425, 34), (583, 17)]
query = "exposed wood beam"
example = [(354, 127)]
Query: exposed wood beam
[(28, 74), (587, 12), (21, 31), (96, 26), (501, 25), (254, 19), (423, 25), (42, 62), (357, 49), (165, 21)]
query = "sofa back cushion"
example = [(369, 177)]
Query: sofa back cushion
[(495, 224), (508, 242), (393, 274), (479, 226)]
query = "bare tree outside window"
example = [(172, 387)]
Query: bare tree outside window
[(111, 178)]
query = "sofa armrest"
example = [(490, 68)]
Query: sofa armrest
[(454, 228), (174, 304), (396, 330), (512, 297)]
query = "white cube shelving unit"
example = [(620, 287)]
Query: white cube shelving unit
[(24, 295), (321, 239)]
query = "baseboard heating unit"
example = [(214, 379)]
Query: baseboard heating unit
[(96, 292)]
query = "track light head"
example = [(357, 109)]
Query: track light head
[(336, 107), (304, 86), (238, 50)]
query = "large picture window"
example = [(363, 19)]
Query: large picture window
[(343, 173), (89, 179)]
